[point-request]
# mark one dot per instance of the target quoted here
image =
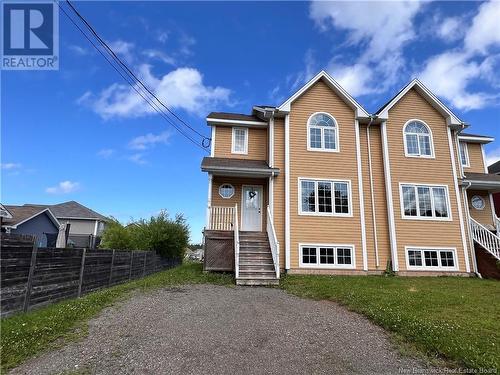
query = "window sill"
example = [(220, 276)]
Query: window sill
[(322, 149), (420, 156), (323, 214), (328, 267), (427, 218), (432, 269)]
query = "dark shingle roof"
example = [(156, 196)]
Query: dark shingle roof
[(230, 164), (21, 213), (494, 168), (233, 116), (72, 209), (473, 135), (486, 177)]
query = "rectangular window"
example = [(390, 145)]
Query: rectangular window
[(327, 256), (425, 202), (464, 154), (324, 197), (240, 141), (431, 259)]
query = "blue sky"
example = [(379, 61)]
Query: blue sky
[(79, 133)]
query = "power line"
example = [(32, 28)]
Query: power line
[(137, 88), (94, 32)]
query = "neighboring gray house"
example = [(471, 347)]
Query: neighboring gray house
[(86, 225), (34, 220)]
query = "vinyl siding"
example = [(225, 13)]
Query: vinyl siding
[(237, 182), (476, 161), (483, 216), (328, 165), (257, 144), (410, 232), (381, 219)]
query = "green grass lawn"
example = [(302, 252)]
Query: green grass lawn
[(26, 335), (457, 319)]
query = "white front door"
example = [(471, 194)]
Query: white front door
[(251, 208)]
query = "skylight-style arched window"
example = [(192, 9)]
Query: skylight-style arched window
[(418, 139), (322, 132)]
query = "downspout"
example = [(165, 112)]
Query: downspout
[(372, 194), (471, 240)]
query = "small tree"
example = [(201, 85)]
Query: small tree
[(116, 236)]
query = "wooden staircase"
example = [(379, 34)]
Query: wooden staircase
[(256, 265)]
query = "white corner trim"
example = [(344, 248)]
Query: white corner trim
[(287, 192), (390, 204), (361, 196), (271, 142), (49, 213), (209, 200), (471, 240), (484, 159), (459, 202), (492, 209), (212, 149)]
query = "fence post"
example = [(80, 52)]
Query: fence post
[(111, 269), (82, 267), (131, 263), (30, 276), (144, 266)]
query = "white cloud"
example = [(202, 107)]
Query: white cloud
[(159, 55), (448, 76), (162, 36), (10, 166), (452, 73), (182, 88), (64, 187), (149, 140), (80, 51), (137, 158), (485, 31), (123, 49), (450, 29), (382, 29), (105, 153)]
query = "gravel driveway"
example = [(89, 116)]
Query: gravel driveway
[(219, 330)]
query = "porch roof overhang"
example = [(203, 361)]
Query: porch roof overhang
[(482, 181), (237, 167)]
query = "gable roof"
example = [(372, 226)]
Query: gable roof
[(451, 118), (5, 212), (494, 168), (72, 210), (22, 214), (335, 86)]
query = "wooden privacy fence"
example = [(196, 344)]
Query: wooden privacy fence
[(33, 277)]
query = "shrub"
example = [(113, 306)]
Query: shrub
[(168, 237)]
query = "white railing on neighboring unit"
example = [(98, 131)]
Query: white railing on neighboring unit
[(221, 218), (497, 225), (484, 237), (236, 244), (273, 242)]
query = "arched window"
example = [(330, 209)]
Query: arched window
[(417, 139), (322, 132)]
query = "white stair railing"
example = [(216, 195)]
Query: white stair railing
[(484, 237), (236, 244), (273, 242), (220, 218), (497, 225)]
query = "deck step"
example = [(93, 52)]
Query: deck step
[(260, 281), (256, 268)]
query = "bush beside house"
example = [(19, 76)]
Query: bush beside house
[(167, 236)]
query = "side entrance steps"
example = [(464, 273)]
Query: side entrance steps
[(256, 265)]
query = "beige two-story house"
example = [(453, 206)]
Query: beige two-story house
[(319, 185)]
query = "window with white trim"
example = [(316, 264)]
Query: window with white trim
[(417, 139), (431, 259), (322, 133), (226, 191), (464, 154), (425, 202), (478, 202), (239, 141), (324, 197), (326, 256)]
